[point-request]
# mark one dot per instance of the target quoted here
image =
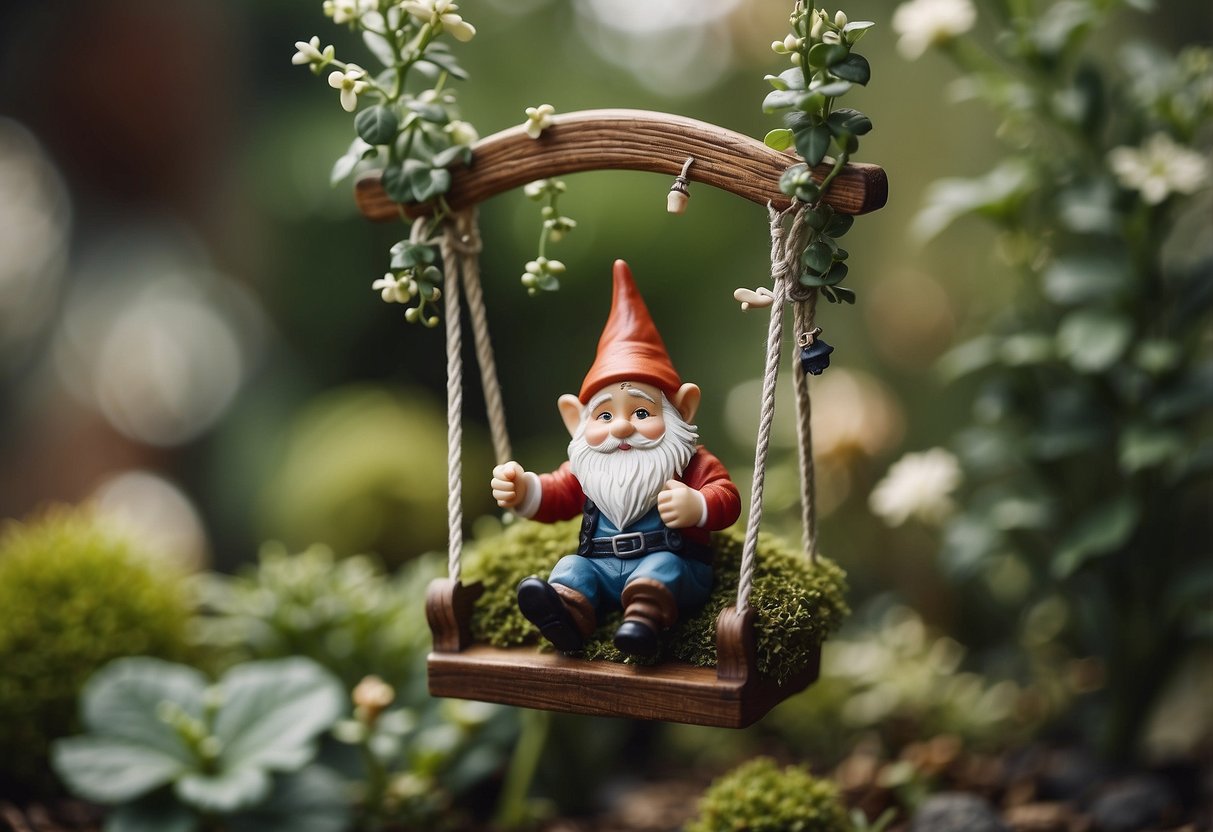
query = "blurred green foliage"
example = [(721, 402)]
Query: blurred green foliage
[(797, 605), (360, 471), (74, 594), (167, 750), (1089, 456), (758, 796)]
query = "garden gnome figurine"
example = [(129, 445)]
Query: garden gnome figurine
[(647, 493)]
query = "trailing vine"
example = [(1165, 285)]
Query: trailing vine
[(824, 69)]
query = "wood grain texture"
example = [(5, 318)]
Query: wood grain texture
[(448, 609), (736, 650), (672, 692), (631, 140)]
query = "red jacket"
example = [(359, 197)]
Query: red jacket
[(563, 498)]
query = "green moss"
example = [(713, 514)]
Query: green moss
[(797, 605), (759, 797), (74, 594)]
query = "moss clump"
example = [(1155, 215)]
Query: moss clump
[(74, 594), (759, 797), (797, 605)]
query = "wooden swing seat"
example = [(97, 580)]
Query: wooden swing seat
[(731, 695)]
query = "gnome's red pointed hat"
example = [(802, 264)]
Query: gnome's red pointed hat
[(630, 348)]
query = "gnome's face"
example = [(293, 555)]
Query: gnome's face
[(627, 443)]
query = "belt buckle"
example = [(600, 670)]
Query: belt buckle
[(628, 553)]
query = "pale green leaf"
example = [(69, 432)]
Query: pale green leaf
[(122, 700), (106, 770), (228, 791), (1093, 339)]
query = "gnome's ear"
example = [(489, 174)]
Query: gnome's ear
[(570, 412), (686, 401)]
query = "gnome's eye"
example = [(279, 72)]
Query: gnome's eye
[(604, 416), (641, 413)]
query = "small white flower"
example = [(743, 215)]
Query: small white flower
[(441, 13), (346, 11), (917, 485), (1159, 168), (462, 132), (538, 119), (388, 288), (926, 23), (309, 52), (351, 85)]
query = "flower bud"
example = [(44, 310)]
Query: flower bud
[(791, 42), (528, 280), (777, 47), (431, 321), (555, 267), (840, 19), (795, 58), (533, 267), (831, 37), (815, 32), (548, 212)]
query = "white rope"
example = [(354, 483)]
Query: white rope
[(469, 245), (454, 403), (779, 288), (805, 311)]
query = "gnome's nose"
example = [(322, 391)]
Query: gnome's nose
[(622, 428)]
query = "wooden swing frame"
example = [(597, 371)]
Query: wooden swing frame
[(733, 694)]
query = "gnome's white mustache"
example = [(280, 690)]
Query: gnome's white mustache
[(636, 441)]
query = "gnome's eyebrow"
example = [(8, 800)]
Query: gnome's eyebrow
[(636, 391), (601, 398)]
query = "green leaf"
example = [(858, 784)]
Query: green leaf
[(969, 357), (778, 139), (839, 225), (433, 113), (995, 195), (834, 89), (967, 541), (107, 770), (837, 274), (1025, 349), (1098, 532), (1144, 447), (787, 181), (228, 791), (845, 295), (1085, 278), (397, 185), (380, 48), (311, 800), (777, 100), (439, 56), (856, 29), (809, 103), (825, 55), (272, 710), (377, 125), (121, 701), (792, 79), (848, 122), (1093, 339), (444, 158), (817, 257), (855, 68), (813, 143), (345, 165), (407, 255)]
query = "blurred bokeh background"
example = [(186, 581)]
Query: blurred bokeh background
[(188, 334)]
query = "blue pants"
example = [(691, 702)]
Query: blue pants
[(603, 579)]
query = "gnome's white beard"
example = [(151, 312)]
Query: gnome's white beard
[(625, 484)]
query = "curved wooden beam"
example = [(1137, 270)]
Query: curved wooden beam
[(631, 140)]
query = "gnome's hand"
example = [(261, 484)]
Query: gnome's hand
[(679, 505), (509, 486)]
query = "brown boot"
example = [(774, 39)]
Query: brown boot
[(585, 619), (648, 608)]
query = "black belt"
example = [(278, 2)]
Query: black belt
[(629, 545)]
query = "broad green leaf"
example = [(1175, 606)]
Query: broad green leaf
[(1093, 339), (397, 185), (107, 770), (855, 68), (994, 195), (377, 125), (272, 710), (1146, 447), (1098, 532), (311, 800), (231, 790), (122, 700), (839, 225), (433, 113), (791, 79), (813, 143), (440, 183), (825, 55), (345, 165), (159, 812), (856, 29), (406, 255), (777, 100), (837, 274), (849, 122), (809, 104), (778, 139), (445, 158), (817, 257), (1086, 278), (833, 89)]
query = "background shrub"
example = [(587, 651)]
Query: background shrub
[(759, 797)]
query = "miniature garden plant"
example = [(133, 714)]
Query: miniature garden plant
[(414, 135), (74, 594), (170, 751), (758, 796), (1087, 463), (824, 69)]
